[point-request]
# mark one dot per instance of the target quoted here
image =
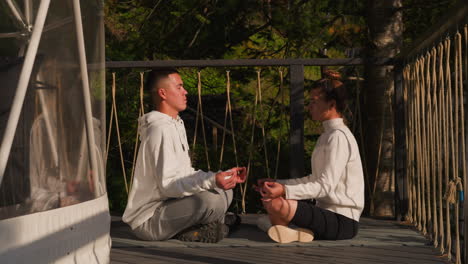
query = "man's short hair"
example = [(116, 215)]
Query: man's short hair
[(157, 75)]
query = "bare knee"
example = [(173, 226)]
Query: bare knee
[(280, 210)]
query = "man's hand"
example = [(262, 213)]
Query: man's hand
[(226, 180), (72, 186), (272, 190), (240, 173)]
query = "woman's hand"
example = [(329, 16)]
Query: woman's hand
[(260, 183), (271, 190)]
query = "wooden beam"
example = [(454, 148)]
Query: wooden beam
[(244, 62)]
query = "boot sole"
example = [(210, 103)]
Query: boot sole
[(283, 234)]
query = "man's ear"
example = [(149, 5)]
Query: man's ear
[(162, 93)]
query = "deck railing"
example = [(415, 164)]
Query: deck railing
[(296, 71), (430, 133)]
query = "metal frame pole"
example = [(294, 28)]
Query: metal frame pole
[(102, 70), (86, 94), (50, 135), (22, 86), (296, 135), (82, 167), (28, 7), (17, 13)]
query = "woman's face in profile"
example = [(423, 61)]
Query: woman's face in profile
[(319, 108)]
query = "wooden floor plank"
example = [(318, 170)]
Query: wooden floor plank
[(378, 241)]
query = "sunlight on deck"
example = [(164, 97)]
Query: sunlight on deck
[(378, 241)]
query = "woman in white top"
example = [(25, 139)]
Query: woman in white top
[(327, 203)]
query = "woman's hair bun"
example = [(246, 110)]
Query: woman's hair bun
[(332, 75)]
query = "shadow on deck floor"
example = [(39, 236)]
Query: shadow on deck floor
[(378, 241)]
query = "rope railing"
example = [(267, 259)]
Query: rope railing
[(199, 124), (278, 148), (141, 112), (255, 139), (228, 112), (114, 115), (243, 187), (433, 97)]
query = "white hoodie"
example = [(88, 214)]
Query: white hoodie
[(163, 168), (337, 179)]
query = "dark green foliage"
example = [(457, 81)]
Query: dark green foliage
[(419, 15)]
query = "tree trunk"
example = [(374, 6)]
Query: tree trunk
[(385, 39)]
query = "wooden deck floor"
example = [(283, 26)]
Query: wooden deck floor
[(378, 241)]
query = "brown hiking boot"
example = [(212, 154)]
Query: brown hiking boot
[(232, 220), (209, 233)]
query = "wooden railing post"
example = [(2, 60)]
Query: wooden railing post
[(296, 136)]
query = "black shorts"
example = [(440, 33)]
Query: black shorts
[(325, 224)]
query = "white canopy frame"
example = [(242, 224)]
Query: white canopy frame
[(25, 76), (18, 15), (28, 15), (23, 82), (87, 96), (48, 125)]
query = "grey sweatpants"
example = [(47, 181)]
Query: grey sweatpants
[(175, 215)]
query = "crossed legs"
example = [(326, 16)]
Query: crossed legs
[(280, 210), (175, 215)]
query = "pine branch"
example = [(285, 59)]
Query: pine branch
[(149, 15), (422, 6)]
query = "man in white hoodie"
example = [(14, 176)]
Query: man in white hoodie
[(169, 198)]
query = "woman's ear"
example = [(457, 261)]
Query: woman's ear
[(332, 104)]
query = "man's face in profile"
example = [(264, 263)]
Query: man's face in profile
[(175, 92)]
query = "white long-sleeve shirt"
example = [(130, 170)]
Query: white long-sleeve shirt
[(337, 180), (163, 168)]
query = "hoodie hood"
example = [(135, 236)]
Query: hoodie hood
[(155, 119)]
